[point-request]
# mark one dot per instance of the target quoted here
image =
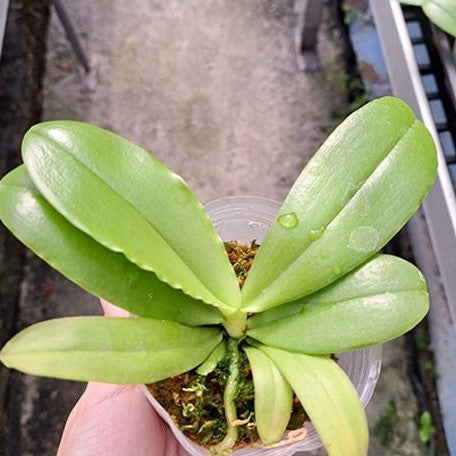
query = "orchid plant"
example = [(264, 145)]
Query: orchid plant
[(117, 222), (441, 12)]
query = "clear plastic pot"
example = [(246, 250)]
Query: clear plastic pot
[(244, 218)]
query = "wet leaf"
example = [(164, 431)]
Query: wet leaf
[(359, 189), (110, 350)]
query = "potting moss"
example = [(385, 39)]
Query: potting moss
[(195, 402)]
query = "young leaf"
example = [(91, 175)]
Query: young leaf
[(110, 350), (210, 363), (377, 302), (128, 201), (442, 13), (273, 397), (353, 196), (329, 399), (93, 267)]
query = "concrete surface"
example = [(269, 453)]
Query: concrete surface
[(213, 89)]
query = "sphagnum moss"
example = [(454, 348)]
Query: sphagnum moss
[(196, 402)]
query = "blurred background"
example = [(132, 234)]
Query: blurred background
[(235, 96)]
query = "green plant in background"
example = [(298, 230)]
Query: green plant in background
[(386, 425), (427, 430), (441, 12), (117, 222), (431, 370), (350, 14)]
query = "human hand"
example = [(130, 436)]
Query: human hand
[(116, 420)]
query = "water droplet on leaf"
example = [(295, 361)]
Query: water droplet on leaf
[(364, 239), (316, 234), (288, 220)]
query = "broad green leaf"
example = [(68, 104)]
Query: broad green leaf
[(442, 13), (359, 189), (110, 350), (128, 201), (93, 267), (412, 2), (329, 399), (273, 397), (211, 362), (377, 302)]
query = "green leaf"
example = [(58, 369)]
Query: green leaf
[(210, 363), (377, 302), (427, 430), (329, 399), (359, 189), (93, 267), (412, 2), (442, 13), (128, 201), (273, 397), (110, 350)]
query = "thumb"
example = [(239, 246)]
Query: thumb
[(115, 420), (112, 311)]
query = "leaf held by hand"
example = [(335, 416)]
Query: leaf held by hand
[(356, 193), (329, 399), (109, 350), (380, 300), (95, 268), (442, 13), (273, 397), (128, 201)]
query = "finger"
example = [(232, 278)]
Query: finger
[(116, 420), (113, 311)]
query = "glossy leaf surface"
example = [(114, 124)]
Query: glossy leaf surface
[(110, 350), (377, 302), (93, 267), (442, 13), (128, 201), (210, 363), (359, 189), (273, 397), (329, 398)]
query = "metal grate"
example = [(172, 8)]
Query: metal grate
[(422, 71), (435, 84)]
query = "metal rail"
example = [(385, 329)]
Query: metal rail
[(309, 14), (71, 34), (432, 232), (3, 15)]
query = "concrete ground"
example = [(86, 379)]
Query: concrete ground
[(213, 90)]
